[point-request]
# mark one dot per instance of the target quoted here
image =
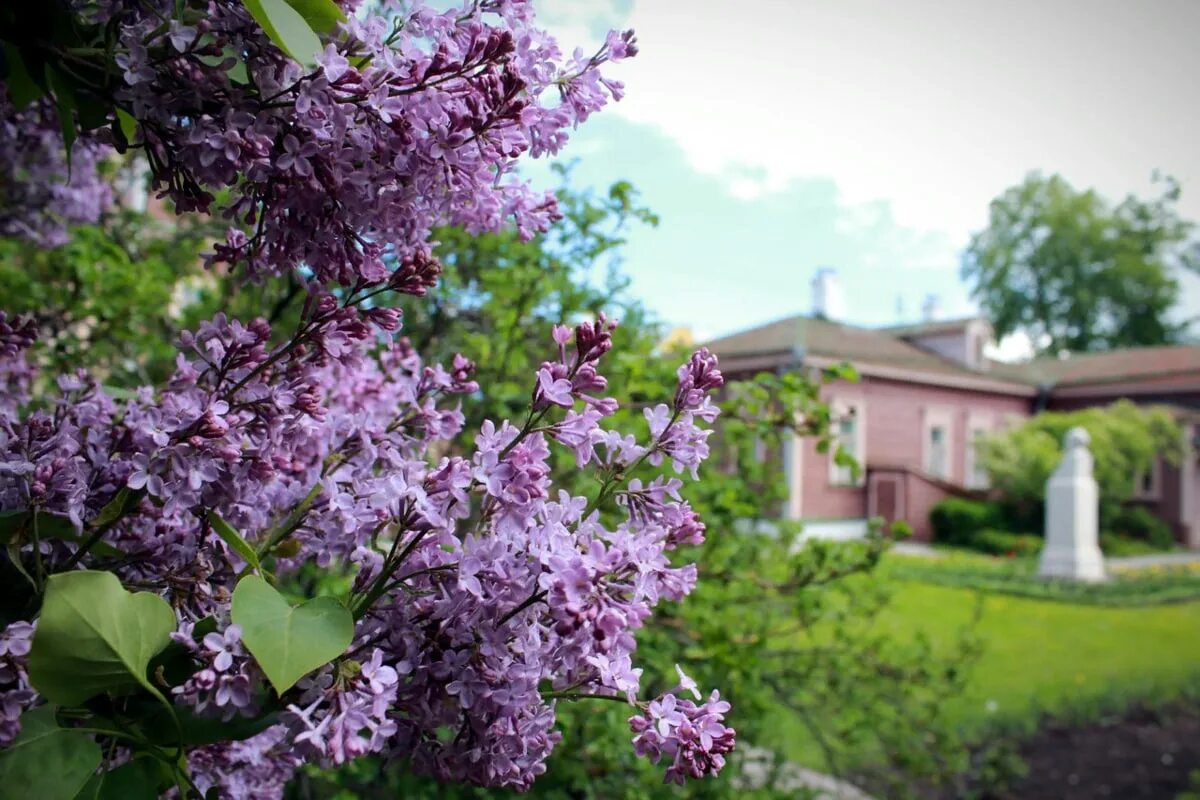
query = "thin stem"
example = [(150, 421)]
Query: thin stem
[(529, 601), (586, 696)]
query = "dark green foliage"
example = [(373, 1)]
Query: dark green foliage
[(1077, 273), (116, 295), (956, 520), (1137, 522), (1002, 543)]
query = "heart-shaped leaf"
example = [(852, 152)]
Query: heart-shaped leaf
[(287, 29), (138, 779), (289, 641), (93, 636), (46, 761)]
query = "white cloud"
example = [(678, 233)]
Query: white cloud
[(933, 106)]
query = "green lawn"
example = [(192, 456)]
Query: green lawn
[(1053, 656), (1043, 656)]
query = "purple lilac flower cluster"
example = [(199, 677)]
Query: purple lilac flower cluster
[(15, 693), (693, 737), (41, 196), (224, 685), (411, 117), (484, 594)]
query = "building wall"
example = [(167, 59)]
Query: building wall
[(1171, 493), (895, 415)]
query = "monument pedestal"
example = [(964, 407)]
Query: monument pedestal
[(1072, 547)]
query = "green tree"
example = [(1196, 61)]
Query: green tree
[(1077, 273)]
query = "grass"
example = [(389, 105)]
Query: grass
[(1040, 656), (1046, 657)]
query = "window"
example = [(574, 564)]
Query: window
[(1147, 486), (977, 428), (936, 447), (937, 451), (848, 433)]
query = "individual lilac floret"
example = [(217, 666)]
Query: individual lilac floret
[(224, 687), (694, 738), (339, 719), (258, 767), (16, 696)]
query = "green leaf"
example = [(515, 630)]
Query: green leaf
[(237, 73), (287, 29), (93, 636), (16, 529), (289, 642), (322, 15), (234, 540), (112, 511), (22, 88), (64, 98), (93, 111), (10, 523), (199, 731), (46, 761), (129, 127), (138, 779)]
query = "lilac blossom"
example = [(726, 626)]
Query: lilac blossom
[(694, 739), (413, 117), (497, 584), (225, 684), (483, 592), (16, 696)]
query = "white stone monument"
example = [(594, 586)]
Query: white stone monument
[(1072, 516)]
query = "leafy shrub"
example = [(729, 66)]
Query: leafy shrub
[(1002, 543), (956, 520), (1125, 441), (1114, 545), (1137, 522)]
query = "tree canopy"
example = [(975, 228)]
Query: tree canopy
[(1077, 273)]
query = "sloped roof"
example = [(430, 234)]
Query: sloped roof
[(795, 337), (931, 327), (821, 337), (1117, 365)]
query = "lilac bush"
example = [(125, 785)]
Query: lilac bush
[(480, 595)]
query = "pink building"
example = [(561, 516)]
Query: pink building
[(926, 391)]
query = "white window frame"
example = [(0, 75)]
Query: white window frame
[(937, 417), (1156, 480), (977, 424), (838, 475)]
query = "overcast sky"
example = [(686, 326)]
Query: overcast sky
[(870, 135)]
